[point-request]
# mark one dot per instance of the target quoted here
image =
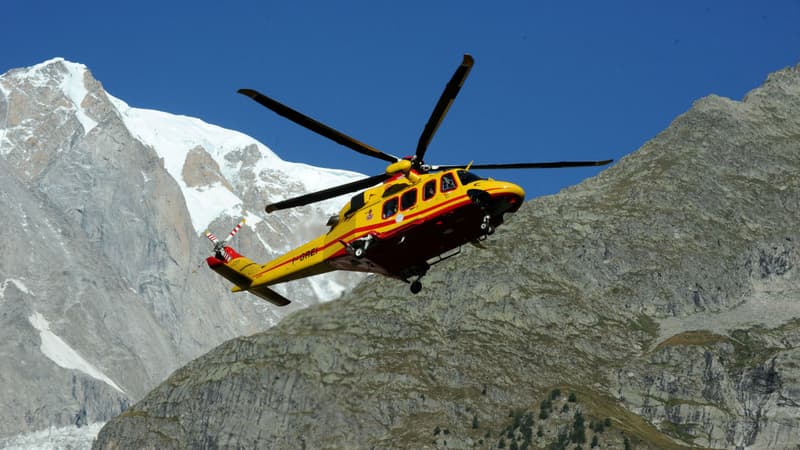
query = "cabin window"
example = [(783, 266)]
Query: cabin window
[(408, 199), (448, 182), (429, 190), (467, 177), (390, 207)]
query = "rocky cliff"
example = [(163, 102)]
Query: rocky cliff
[(654, 306), (100, 293)]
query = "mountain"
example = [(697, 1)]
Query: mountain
[(102, 288), (656, 305)]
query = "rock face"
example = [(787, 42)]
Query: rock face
[(100, 292), (664, 292)]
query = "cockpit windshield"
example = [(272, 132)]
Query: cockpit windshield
[(467, 177)]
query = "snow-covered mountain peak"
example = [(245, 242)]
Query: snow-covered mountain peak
[(243, 164), (44, 72), (69, 76), (57, 75)]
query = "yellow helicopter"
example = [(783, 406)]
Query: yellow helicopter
[(398, 224)]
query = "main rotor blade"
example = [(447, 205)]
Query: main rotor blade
[(316, 126), (545, 165), (328, 193), (443, 105)]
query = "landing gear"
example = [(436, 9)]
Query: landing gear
[(483, 200), (486, 225), (359, 247), (417, 272)]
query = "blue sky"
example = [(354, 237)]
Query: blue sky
[(553, 80)]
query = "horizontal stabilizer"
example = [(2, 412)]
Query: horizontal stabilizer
[(269, 295)]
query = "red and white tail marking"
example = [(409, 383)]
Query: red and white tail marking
[(211, 237), (234, 231)]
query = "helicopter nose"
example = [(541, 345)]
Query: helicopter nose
[(513, 189), (506, 197), (515, 196), (511, 192)]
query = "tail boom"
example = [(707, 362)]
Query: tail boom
[(240, 271)]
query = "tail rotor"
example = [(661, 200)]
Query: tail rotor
[(219, 246)]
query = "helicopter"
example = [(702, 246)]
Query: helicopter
[(398, 224)]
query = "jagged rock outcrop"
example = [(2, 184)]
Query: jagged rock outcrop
[(664, 291), (101, 296)]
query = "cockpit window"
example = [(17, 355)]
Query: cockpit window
[(467, 177), (448, 182), (390, 207)]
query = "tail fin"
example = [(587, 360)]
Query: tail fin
[(231, 265)]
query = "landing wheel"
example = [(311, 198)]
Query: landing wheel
[(359, 252), (487, 228), (416, 286), (486, 225)]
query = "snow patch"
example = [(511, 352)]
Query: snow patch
[(38, 67), (251, 220), (75, 89), (5, 144), (62, 354), (118, 104), (18, 283), (206, 203), (55, 438), (265, 244)]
